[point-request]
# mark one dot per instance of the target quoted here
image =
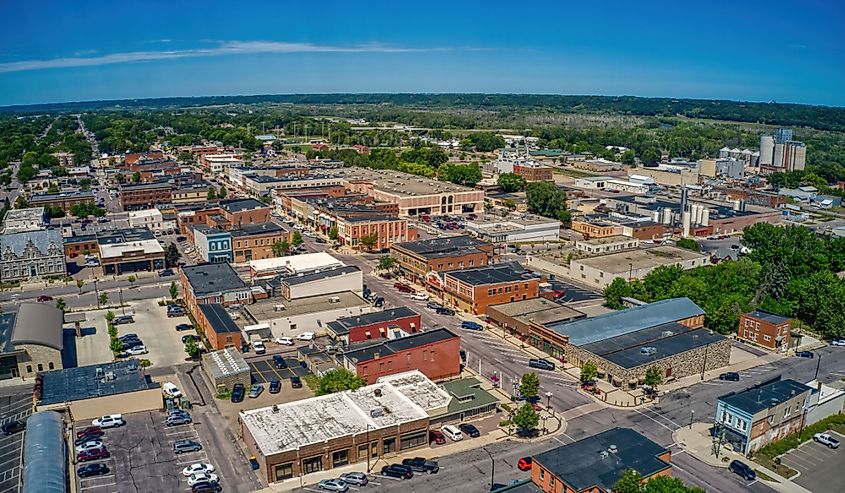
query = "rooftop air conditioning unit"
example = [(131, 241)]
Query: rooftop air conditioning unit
[(278, 308), (334, 299)]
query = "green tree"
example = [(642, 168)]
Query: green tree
[(630, 482), (192, 348), (222, 192), (212, 193), (53, 188), (589, 373), (280, 248), (60, 304), (628, 157), (132, 280), (545, 199), (120, 178), (334, 234), (79, 284), (386, 262), (116, 345), (653, 378), (338, 380), (529, 385), (615, 291), (689, 244), (136, 177), (21, 203), (109, 316), (650, 156), (462, 174), (103, 299), (369, 241), (510, 182), (297, 239), (526, 419), (174, 290), (172, 255)]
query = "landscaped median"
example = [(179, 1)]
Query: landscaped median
[(769, 456)]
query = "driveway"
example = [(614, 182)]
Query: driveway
[(820, 467)]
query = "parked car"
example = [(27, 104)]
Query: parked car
[(202, 477), (470, 430), (805, 354), (445, 311), (275, 386), (838, 342), (131, 343), (171, 390), (90, 430), (198, 467), (470, 325), (295, 382), (93, 454), (258, 347), (333, 485), (181, 327), (743, 469), (123, 319), (279, 362), (420, 464), (14, 426), (419, 296), (255, 390), (137, 350), (177, 419), (403, 288), (542, 364), (109, 421), (175, 311), (89, 470), (379, 302), (81, 441), (206, 487), (730, 376), (186, 445), (524, 464), (453, 432), (306, 336), (437, 437), (165, 273), (397, 471), (321, 240), (826, 439), (433, 305), (238, 392), (356, 478), (44, 298), (285, 341)]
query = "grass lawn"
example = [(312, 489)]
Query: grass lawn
[(768, 463), (574, 173)]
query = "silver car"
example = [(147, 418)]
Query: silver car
[(356, 478)]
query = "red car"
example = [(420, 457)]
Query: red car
[(93, 454), (89, 430), (437, 437), (403, 288), (524, 464), (536, 407), (44, 298)]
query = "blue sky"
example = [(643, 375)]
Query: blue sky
[(53, 51)]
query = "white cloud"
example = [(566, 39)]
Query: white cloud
[(223, 48)]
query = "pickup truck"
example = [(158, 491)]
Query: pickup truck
[(826, 439), (419, 464)]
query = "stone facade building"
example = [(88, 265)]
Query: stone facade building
[(31, 255)]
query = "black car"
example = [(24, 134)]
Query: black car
[(463, 355), (95, 469), (445, 311), (470, 430), (206, 487), (419, 464), (275, 386), (86, 438), (238, 392), (743, 469), (13, 427), (184, 327), (542, 364), (295, 382), (123, 319), (730, 376), (805, 354), (132, 343), (397, 471), (126, 337), (165, 273), (433, 305), (320, 240), (279, 362)]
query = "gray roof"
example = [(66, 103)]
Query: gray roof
[(760, 397), (491, 274), (629, 350), (218, 318), (206, 279), (44, 467), (85, 382), (768, 317), (39, 323), (127, 235), (7, 325), (621, 322), (582, 465), (257, 229), (344, 325), (438, 247), (42, 239), (319, 275), (240, 205), (393, 346)]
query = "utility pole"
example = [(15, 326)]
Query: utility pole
[(704, 365), (818, 364), (492, 468), (368, 448)]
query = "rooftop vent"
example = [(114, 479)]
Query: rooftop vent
[(603, 454), (612, 449), (275, 408), (377, 412)]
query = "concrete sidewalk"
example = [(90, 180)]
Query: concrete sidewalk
[(697, 442)]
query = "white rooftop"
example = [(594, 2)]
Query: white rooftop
[(293, 425), (296, 263), (417, 387), (118, 249), (144, 213)]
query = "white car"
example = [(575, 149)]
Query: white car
[(258, 347), (285, 341), (838, 342), (420, 296), (453, 432), (89, 445), (137, 350), (197, 468), (309, 234), (109, 421), (826, 439), (306, 336), (171, 390), (202, 476)]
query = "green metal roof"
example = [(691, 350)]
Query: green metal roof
[(468, 394)]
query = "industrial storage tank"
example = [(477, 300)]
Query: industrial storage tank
[(667, 215), (705, 217)]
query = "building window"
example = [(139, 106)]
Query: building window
[(40, 367), (29, 368), (767, 338), (413, 440), (51, 366), (542, 474), (312, 464), (552, 481), (389, 445), (340, 458), (284, 471), (362, 451)]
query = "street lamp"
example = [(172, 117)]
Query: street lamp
[(548, 399), (492, 468), (691, 417), (818, 364)]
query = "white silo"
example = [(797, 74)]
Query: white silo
[(736, 205), (656, 216), (767, 150), (705, 217), (667, 215), (699, 210), (686, 223)]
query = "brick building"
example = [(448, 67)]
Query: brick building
[(213, 283), (144, 195), (765, 329), (375, 325), (473, 290), (218, 327), (65, 200), (533, 171), (241, 212), (435, 353), (417, 259), (387, 230), (255, 241)]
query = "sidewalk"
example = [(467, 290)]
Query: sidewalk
[(697, 442)]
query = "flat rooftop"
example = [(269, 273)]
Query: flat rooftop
[(760, 397), (208, 279), (419, 389), (296, 263), (648, 345), (89, 382), (768, 317), (293, 425), (344, 325), (444, 246), (224, 363), (7, 326), (491, 274), (278, 308), (258, 229), (399, 183), (219, 319), (590, 462), (616, 323), (318, 275), (393, 346), (538, 310), (644, 258), (240, 205), (117, 250)]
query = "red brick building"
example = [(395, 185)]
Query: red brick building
[(375, 325), (417, 259), (218, 327), (764, 329), (435, 353), (240, 212), (144, 195), (534, 172), (473, 290)]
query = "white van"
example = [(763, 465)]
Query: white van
[(452, 432), (171, 390), (258, 346)]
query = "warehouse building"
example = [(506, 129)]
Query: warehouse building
[(225, 368), (275, 318), (521, 317), (31, 340)]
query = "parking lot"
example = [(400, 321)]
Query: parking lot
[(263, 370), (12, 407), (142, 458), (820, 467), (573, 293)]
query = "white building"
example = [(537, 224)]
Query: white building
[(293, 264), (288, 318), (151, 219), (30, 219), (517, 228), (218, 163), (611, 183)]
